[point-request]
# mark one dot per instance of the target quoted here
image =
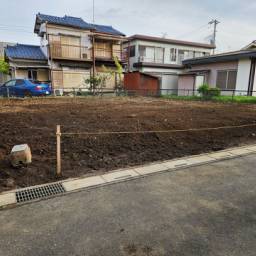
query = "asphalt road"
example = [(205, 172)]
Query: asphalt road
[(207, 210)]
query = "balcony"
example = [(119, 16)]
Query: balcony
[(109, 54), (70, 52)]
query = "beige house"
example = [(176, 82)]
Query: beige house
[(75, 49)]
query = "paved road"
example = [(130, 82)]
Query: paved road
[(207, 210)]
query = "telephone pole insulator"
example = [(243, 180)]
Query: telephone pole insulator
[(215, 23)]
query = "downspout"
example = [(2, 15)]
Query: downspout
[(251, 77)]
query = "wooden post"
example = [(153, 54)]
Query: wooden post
[(58, 135)]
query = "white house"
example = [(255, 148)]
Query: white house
[(162, 57), (232, 72)]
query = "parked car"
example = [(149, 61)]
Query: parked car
[(24, 88)]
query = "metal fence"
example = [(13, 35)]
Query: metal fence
[(164, 93), (175, 93)]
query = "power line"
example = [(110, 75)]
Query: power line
[(193, 31)]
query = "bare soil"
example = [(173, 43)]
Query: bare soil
[(34, 122)]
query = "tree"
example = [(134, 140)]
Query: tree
[(98, 82), (119, 71), (4, 66)]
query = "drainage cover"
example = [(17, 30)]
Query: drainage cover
[(39, 192)]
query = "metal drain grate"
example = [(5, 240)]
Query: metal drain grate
[(39, 192)]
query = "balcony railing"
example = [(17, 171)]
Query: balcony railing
[(150, 60), (109, 54), (72, 52), (64, 51)]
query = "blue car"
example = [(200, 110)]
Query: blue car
[(24, 88)]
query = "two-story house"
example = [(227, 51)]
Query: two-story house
[(76, 49), (162, 57)]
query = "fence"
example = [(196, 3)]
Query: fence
[(102, 133), (230, 94)]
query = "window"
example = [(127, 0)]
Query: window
[(198, 54), (142, 51), (232, 75), (132, 52), (19, 82), (159, 55), (32, 74), (173, 56), (181, 56), (226, 79), (10, 83)]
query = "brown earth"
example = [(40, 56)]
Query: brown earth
[(34, 122)]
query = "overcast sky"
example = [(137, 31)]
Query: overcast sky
[(180, 19)]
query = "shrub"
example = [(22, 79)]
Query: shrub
[(208, 92)]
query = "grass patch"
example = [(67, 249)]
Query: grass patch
[(225, 99)]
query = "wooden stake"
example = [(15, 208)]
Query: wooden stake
[(58, 135)]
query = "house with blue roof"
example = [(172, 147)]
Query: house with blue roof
[(76, 49), (27, 61)]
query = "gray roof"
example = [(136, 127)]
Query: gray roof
[(24, 51), (170, 41), (228, 56)]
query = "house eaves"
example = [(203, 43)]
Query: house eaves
[(169, 41), (231, 56), (157, 65)]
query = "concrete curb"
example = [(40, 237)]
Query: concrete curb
[(72, 185)]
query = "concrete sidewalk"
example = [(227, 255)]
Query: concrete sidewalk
[(203, 210)]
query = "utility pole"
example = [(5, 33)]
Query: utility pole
[(215, 23), (93, 47), (93, 12)]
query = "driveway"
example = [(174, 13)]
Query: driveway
[(205, 210)]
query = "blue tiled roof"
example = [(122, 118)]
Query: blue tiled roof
[(77, 23), (66, 21), (23, 51), (107, 29)]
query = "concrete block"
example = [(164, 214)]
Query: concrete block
[(251, 148), (199, 160), (82, 183), (239, 151), (221, 155), (7, 199), (20, 155), (148, 169), (176, 163), (120, 175)]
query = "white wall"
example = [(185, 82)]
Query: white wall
[(243, 75), (167, 50)]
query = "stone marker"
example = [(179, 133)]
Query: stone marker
[(20, 155)]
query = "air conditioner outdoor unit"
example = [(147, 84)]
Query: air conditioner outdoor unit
[(58, 92), (85, 56)]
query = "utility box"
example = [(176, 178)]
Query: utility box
[(21, 155)]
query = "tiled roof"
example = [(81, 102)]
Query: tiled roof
[(76, 23), (66, 21), (107, 29), (23, 51)]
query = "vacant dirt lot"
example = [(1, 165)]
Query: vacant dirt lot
[(34, 122)]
